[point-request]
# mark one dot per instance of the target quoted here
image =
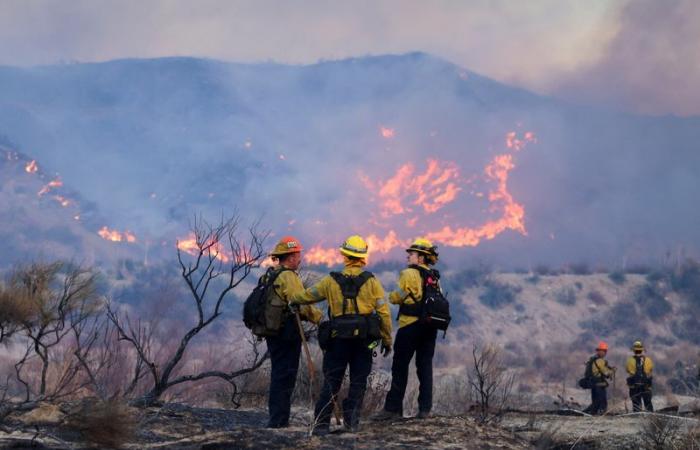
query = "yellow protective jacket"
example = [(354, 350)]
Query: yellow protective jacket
[(647, 366), (370, 298), (601, 371), (286, 285), (409, 292)]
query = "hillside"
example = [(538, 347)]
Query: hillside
[(316, 150)]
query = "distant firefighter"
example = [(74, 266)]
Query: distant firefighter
[(598, 372), (639, 367)]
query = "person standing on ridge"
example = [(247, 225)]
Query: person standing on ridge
[(639, 367), (600, 373), (358, 318), (413, 336), (285, 348)]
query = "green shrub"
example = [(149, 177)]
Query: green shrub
[(497, 294)]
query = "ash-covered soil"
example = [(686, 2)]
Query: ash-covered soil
[(182, 427)]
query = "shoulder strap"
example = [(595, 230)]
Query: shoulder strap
[(274, 273), (350, 286)]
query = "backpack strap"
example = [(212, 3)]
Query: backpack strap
[(350, 287)]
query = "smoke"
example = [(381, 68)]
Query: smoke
[(651, 65), (153, 142)]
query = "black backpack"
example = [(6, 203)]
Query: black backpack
[(353, 325), (587, 381), (639, 377), (264, 312), (433, 309)]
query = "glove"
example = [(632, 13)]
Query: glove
[(386, 350)]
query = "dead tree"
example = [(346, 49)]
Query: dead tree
[(490, 382), (60, 298), (215, 252)]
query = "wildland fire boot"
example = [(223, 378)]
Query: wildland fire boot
[(423, 415), (386, 415)]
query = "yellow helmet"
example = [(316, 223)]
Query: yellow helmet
[(355, 247), (424, 246), (638, 346)]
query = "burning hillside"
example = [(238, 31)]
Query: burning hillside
[(410, 200)]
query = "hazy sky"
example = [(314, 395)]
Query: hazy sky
[(639, 55)]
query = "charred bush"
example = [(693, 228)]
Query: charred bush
[(106, 424), (497, 294), (566, 296), (543, 269), (581, 268), (597, 298), (618, 277), (533, 279), (659, 432), (652, 301), (468, 278)]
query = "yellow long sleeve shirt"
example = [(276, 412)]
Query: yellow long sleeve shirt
[(409, 292), (370, 298), (647, 367), (286, 285)]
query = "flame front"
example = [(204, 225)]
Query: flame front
[(214, 249), (409, 192), (116, 236), (53, 184), (31, 167)]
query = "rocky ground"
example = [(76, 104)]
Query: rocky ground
[(178, 426)]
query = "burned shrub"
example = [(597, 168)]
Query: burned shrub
[(497, 294), (581, 268), (533, 279), (597, 298), (652, 301), (618, 277), (566, 296), (106, 424), (468, 278)]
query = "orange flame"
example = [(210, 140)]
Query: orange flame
[(190, 246), (116, 236), (51, 185), (31, 167), (387, 133), (62, 200), (431, 190)]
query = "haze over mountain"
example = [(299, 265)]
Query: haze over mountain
[(329, 149)]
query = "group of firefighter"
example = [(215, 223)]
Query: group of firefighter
[(357, 293), (351, 294), (598, 373)]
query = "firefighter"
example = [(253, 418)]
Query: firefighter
[(413, 336), (601, 372), (347, 348), (285, 348), (639, 367)]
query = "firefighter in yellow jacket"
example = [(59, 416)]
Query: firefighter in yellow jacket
[(639, 367), (600, 373), (359, 316), (413, 337), (285, 348)]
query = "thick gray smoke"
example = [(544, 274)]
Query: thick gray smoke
[(651, 65)]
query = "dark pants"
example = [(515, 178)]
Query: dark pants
[(341, 354), (599, 401), (419, 339), (284, 356), (641, 393)]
